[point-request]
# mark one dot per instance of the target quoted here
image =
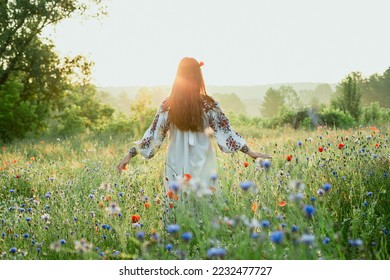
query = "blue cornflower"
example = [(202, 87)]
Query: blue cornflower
[(326, 240), (47, 207), (3, 234), (173, 228), (265, 164), (365, 203), (48, 194), (308, 239), (115, 254), (13, 250), (276, 236), (373, 244), (62, 241), (28, 219), (385, 175), (102, 254), (16, 235), (214, 176), (355, 243), (294, 228), (104, 236), (91, 196), (312, 199), (246, 185), (216, 252), (120, 194), (175, 186), (309, 210), (385, 231), (140, 235), (265, 223), (26, 235), (186, 236), (29, 209), (283, 225), (11, 190), (299, 143), (369, 194), (169, 247), (107, 227), (255, 235), (327, 187), (21, 209)]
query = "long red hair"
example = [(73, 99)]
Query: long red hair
[(187, 95)]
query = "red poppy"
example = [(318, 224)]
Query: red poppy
[(282, 203), (135, 218), (170, 194), (246, 164), (376, 145), (320, 149), (289, 157), (17, 176), (254, 207), (147, 205), (187, 177), (171, 205), (341, 145)]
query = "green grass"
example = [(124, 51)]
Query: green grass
[(63, 178)]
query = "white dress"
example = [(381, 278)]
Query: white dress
[(190, 152)]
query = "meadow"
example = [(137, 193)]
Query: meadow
[(324, 195)]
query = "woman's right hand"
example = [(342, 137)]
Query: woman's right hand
[(256, 155)]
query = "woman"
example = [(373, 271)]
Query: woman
[(188, 114)]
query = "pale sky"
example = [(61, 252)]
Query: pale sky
[(242, 42)]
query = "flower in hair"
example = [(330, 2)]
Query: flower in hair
[(201, 63)]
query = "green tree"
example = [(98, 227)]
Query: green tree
[(30, 70), (348, 95), (273, 99), (291, 98), (230, 102)]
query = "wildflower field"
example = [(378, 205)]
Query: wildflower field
[(324, 195)]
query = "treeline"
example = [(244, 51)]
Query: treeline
[(41, 92), (356, 101)]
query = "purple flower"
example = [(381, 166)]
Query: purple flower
[(140, 235), (246, 185), (216, 252), (355, 243)]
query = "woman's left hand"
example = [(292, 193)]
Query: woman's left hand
[(256, 155)]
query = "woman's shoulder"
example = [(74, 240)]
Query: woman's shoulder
[(164, 106)]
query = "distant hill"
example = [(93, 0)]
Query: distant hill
[(251, 96)]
